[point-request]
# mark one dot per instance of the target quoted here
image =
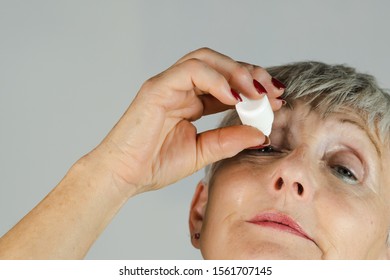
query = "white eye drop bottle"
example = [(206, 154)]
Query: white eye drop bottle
[(257, 113)]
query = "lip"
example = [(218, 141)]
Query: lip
[(279, 221)]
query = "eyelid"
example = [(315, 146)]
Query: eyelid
[(258, 150), (351, 181), (349, 160)]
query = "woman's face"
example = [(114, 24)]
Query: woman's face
[(320, 191)]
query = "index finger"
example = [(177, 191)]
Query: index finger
[(212, 105), (237, 74)]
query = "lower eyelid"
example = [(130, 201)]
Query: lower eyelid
[(360, 176), (267, 150), (274, 155)]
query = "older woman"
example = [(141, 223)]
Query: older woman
[(316, 189), (320, 190)]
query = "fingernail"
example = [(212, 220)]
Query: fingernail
[(236, 95), (256, 147), (260, 89), (278, 83), (284, 102), (266, 143)]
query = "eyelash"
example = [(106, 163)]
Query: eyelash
[(345, 174), (338, 170), (267, 150)]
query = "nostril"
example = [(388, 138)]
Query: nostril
[(279, 183), (300, 189)]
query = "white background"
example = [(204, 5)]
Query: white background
[(69, 69)]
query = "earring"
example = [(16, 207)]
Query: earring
[(196, 236)]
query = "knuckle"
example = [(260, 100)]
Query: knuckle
[(198, 53), (248, 66), (156, 86), (240, 72), (221, 144), (260, 72), (219, 84), (150, 83), (204, 51), (192, 63)]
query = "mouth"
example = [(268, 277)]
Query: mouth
[(281, 222)]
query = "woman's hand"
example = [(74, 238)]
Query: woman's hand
[(155, 144)]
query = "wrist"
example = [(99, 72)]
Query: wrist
[(99, 173)]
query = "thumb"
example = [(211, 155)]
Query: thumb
[(221, 143)]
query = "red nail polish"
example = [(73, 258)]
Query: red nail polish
[(260, 89), (236, 95), (278, 83)]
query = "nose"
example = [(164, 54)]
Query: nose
[(294, 175), (296, 187)]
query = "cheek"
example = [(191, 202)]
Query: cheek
[(227, 208), (351, 227), (234, 187), (227, 199)]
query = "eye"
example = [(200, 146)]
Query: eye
[(345, 174), (267, 150)]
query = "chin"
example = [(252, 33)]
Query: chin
[(275, 252), (265, 251)]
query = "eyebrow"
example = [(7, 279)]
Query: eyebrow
[(363, 128)]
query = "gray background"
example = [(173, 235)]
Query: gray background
[(69, 69)]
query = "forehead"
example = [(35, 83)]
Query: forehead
[(300, 114)]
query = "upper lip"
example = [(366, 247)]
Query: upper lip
[(281, 219)]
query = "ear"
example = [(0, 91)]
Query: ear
[(197, 211)]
